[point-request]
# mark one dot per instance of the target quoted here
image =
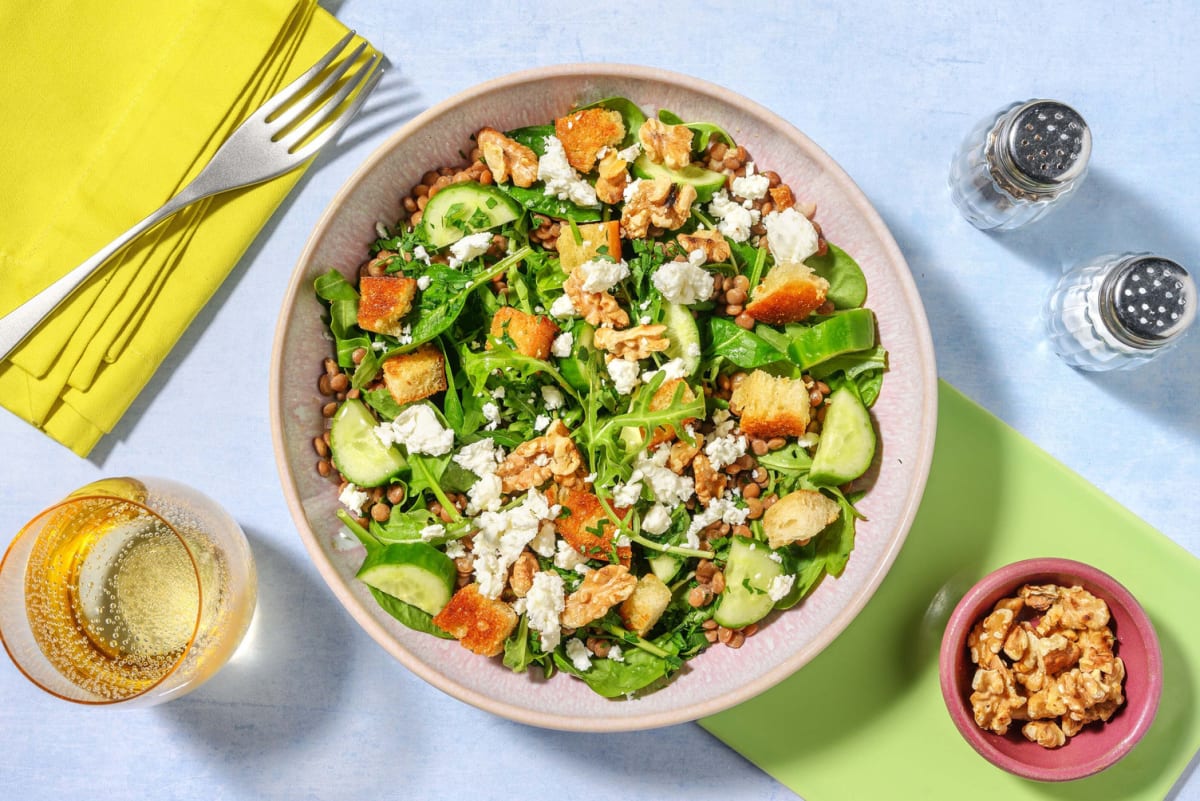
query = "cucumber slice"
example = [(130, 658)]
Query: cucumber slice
[(847, 443), (684, 335), (665, 566), (706, 182), (357, 452), (575, 368), (466, 208), (414, 572), (748, 576)]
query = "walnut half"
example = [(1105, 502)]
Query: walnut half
[(600, 591), (507, 158), (666, 144), (633, 343), (659, 202)]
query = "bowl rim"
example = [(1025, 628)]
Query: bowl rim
[(967, 611), (923, 356)]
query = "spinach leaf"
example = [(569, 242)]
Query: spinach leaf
[(869, 384), (789, 459), (705, 131), (451, 404), (808, 568), (614, 679), (630, 113), (533, 137), (409, 615), (847, 284), (744, 348), (381, 401), (852, 364), (342, 297), (835, 543), (537, 201), (402, 526)]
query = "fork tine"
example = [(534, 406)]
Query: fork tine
[(311, 99), (325, 113), (344, 119), (285, 95)]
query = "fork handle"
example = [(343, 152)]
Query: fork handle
[(21, 321)]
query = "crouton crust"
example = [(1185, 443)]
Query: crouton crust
[(480, 624), (663, 397), (771, 406), (383, 302), (583, 133), (578, 526), (412, 376), (798, 517), (532, 335), (640, 611), (789, 293), (594, 236)]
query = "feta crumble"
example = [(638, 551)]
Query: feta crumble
[(553, 397), (615, 654), (542, 422), (433, 532), (502, 535), (578, 653), (353, 499), (684, 282), (561, 179), (561, 347), (455, 549), (726, 450), (657, 520), (418, 430), (486, 493), (721, 509), (491, 413), (563, 307), (544, 605), (543, 542), (667, 487), (627, 494), (423, 282), (469, 247), (780, 586), (567, 557), (480, 457), (751, 187), (601, 275), (421, 254), (624, 374), (733, 220), (790, 236), (675, 368), (630, 153)]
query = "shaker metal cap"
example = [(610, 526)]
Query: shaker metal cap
[(1154, 299), (1049, 142)]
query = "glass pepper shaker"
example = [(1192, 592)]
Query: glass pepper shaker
[(1119, 311), (1019, 163)]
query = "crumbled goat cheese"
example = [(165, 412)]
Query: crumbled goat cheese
[(645, 319), (354, 499), (567, 557), (667, 487), (543, 605), (631, 189), (543, 542), (751, 187), (486, 493), (579, 654), (692, 351), (492, 413), (657, 520), (561, 347), (542, 422), (417, 429), (683, 282), (405, 337), (630, 153), (553, 397), (726, 450), (734, 221), (675, 368), (775, 557), (615, 654), (480, 457), (601, 275), (469, 247), (563, 307), (626, 495), (423, 282), (624, 375), (721, 509), (780, 586), (455, 549), (723, 423), (421, 254), (790, 236), (433, 532), (501, 537), (561, 179)]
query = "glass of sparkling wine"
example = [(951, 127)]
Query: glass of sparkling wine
[(129, 591)]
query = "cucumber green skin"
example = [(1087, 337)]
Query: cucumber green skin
[(472, 197), (847, 445), (706, 182), (356, 452), (842, 332), (414, 572), (664, 566), (682, 331), (748, 560)]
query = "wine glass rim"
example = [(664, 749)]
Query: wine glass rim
[(27, 530)]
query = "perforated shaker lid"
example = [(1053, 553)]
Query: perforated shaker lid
[(1154, 300), (1049, 142)]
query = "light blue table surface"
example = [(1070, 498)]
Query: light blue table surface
[(312, 708)]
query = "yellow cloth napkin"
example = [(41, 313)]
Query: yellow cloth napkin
[(108, 109)]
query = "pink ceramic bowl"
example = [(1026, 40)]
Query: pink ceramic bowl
[(1097, 746), (905, 413)]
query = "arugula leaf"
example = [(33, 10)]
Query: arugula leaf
[(518, 649), (744, 348), (537, 201), (409, 615)]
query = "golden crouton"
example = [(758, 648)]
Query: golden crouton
[(664, 396), (480, 624), (531, 335), (640, 611), (593, 237), (587, 527), (585, 132), (383, 302), (798, 517), (770, 406), (412, 376), (782, 197), (790, 292)]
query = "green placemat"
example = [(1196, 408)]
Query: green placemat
[(865, 719)]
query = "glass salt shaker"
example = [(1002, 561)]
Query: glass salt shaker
[(1119, 311), (1019, 163)]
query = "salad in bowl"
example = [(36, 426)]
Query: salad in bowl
[(599, 400)]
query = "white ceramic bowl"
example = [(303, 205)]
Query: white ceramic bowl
[(905, 412)]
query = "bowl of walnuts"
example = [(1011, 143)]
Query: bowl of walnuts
[(1050, 669)]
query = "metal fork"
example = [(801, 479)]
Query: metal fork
[(259, 149)]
